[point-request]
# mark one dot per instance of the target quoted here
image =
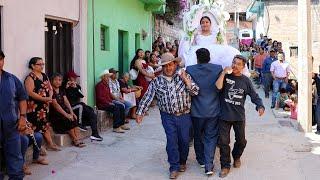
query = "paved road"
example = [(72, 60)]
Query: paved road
[(273, 152)]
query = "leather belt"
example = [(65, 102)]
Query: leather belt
[(281, 78)]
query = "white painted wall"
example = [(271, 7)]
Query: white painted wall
[(23, 31)]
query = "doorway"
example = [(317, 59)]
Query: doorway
[(123, 51), (58, 46)]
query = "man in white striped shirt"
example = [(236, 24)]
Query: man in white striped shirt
[(173, 90)]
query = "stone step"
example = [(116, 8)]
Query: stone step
[(104, 123)]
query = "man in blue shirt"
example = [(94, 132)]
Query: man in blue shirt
[(205, 109), (266, 73), (13, 107)]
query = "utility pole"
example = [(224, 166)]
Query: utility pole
[(304, 65)]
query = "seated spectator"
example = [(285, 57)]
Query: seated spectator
[(292, 87), (104, 102), (125, 88), (28, 138), (280, 99), (115, 90), (40, 97), (61, 115), (86, 115), (293, 104)]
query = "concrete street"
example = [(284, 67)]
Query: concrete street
[(274, 152)]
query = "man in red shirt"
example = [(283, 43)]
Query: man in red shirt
[(258, 61), (104, 102)]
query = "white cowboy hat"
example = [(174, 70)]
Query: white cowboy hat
[(105, 72), (166, 58)]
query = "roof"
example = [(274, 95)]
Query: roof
[(241, 5)]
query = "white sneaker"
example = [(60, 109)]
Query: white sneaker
[(202, 165)]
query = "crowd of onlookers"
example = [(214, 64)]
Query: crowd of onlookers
[(42, 104), (272, 71)]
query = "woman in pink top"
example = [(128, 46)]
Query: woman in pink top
[(293, 104), (258, 61)]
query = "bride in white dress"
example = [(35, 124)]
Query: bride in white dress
[(206, 36)]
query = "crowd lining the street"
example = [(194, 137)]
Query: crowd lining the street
[(42, 103)]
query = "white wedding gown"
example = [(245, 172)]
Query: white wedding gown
[(219, 54)]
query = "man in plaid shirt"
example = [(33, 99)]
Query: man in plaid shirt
[(173, 90)]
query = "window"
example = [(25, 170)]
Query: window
[(137, 41), (58, 46), (242, 16), (104, 38), (294, 51)]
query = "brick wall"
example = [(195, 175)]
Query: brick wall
[(282, 17)]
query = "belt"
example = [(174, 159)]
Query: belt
[(182, 113), (281, 78)]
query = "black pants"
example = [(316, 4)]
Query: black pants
[(118, 114), (88, 116), (224, 141)]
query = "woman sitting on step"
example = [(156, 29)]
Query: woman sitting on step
[(61, 114)]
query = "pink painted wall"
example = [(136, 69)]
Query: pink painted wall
[(23, 24)]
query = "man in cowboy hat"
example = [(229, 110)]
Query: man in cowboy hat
[(173, 90), (104, 102)]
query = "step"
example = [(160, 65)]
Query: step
[(65, 140), (105, 120)]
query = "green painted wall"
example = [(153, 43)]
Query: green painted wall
[(127, 16)]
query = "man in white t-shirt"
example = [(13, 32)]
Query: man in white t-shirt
[(280, 71)]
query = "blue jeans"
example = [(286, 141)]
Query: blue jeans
[(206, 132), (26, 141), (11, 144), (277, 84), (126, 105), (259, 70), (267, 81), (177, 129)]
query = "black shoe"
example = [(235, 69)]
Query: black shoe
[(83, 128), (266, 96), (96, 137), (272, 107), (317, 132)]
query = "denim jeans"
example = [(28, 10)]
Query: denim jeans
[(267, 81), (118, 114), (27, 141), (259, 70), (177, 129), (206, 132), (224, 141), (126, 105), (277, 84), (11, 144)]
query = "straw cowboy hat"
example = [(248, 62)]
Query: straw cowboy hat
[(105, 72), (166, 58)]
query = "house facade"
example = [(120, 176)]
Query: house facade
[(116, 28)]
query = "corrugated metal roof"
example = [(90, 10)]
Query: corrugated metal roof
[(240, 5)]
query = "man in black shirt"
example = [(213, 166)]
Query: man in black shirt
[(234, 88), (85, 113)]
